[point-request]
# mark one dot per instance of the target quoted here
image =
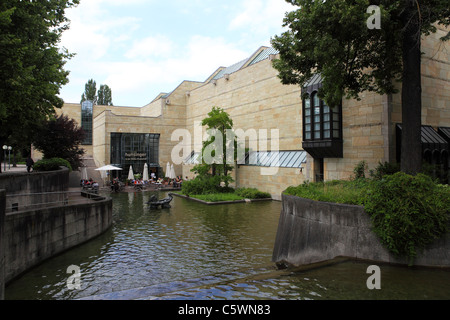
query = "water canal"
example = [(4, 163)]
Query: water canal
[(194, 251)]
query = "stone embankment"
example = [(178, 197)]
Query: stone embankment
[(312, 232), (41, 217)]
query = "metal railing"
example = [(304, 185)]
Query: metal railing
[(33, 201)]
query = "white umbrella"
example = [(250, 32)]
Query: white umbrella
[(130, 174), (145, 174), (168, 170), (84, 175), (172, 172), (108, 167)]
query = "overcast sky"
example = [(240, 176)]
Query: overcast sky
[(140, 48)]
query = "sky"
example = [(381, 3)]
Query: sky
[(140, 48)]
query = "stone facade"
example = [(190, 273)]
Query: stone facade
[(252, 94)]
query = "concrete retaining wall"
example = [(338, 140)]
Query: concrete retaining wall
[(30, 236), (36, 184), (2, 237), (33, 236), (312, 231)]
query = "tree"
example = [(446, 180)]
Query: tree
[(214, 152), (101, 97), (104, 95), (60, 137), (332, 38), (90, 89), (31, 65)]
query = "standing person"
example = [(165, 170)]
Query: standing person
[(30, 164)]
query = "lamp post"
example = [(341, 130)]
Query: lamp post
[(4, 153), (9, 157)]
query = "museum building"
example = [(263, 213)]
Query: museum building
[(292, 135)]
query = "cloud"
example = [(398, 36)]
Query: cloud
[(139, 53), (197, 61), (260, 16), (93, 31), (156, 46)]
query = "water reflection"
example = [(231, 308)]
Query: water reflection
[(147, 247), (193, 251)]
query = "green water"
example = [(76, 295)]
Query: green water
[(194, 251)]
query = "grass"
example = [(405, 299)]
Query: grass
[(214, 194), (228, 194), (215, 197), (337, 191)]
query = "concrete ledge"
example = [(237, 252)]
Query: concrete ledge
[(220, 202), (312, 231), (2, 241), (33, 236), (37, 184)]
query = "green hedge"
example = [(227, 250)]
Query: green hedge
[(408, 212), (51, 164), (252, 193), (337, 191), (204, 185), (208, 185)]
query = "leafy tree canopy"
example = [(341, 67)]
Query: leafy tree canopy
[(90, 90), (60, 137), (101, 97), (218, 121), (104, 95), (332, 38), (31, 65)]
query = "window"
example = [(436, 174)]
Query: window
[(134, 149), (282, 159), (320, 122), (86, 121), (192, 158)]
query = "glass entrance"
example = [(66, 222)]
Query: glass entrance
[(135, 149)]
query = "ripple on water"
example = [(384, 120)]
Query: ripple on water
[(193, 251)]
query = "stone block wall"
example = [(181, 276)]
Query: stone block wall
[(250, 177), (255, 99), (246, 176)]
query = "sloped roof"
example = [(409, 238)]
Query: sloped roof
[(430, 138), (259, 55), (312, 84), (445, 133), (233, 68), (263, 55)]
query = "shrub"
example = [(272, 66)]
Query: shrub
[(214, 197), (60, 137), (383, 169), (408, 212), (360, 170), (204, 185), (51, 164), (252, 193), (337, 191)]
